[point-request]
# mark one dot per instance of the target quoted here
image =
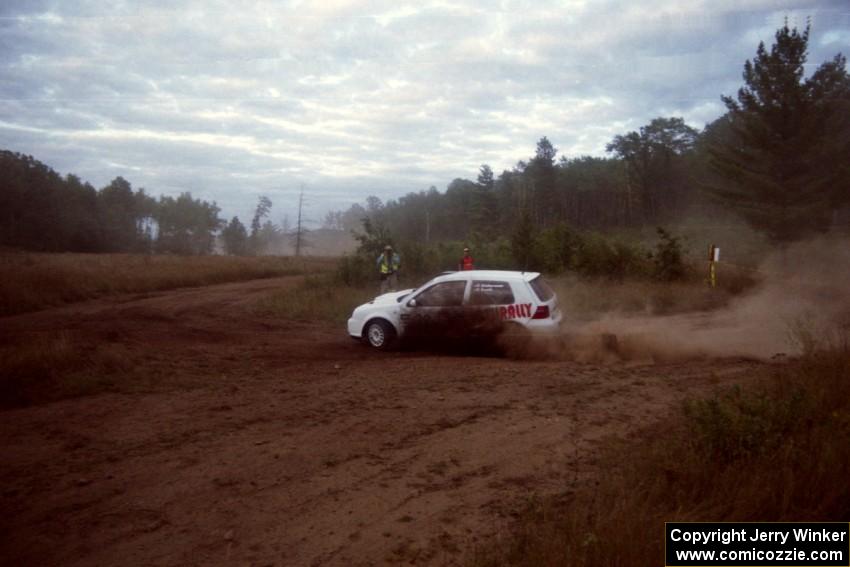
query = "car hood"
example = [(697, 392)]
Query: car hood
[(390, 298)]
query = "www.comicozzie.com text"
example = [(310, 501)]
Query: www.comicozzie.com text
[(728, 536)]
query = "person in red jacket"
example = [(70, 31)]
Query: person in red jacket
[(466, 263)]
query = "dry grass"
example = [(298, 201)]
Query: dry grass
[(774, 452), (50, 366), (30, 282), (317, 298), (585, 298)]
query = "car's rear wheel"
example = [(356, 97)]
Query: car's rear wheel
[(379, 334)]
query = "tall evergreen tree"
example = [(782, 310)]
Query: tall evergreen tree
[(784, 152), (264, 206), (117, 208), (542, 177), (235, 238), (484, 211), (80, 216), (523, 242)]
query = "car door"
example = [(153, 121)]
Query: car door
[(488, 303), (435, 311)]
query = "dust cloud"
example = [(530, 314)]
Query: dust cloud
[(803, 301)]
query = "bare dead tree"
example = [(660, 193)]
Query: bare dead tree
[(299, 235)]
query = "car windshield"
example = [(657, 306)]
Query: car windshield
[(542, 289)]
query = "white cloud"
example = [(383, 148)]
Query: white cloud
[(838, 38)]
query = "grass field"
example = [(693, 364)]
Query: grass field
[(584, 298), (30, 281), (317, 298), (49, 366)]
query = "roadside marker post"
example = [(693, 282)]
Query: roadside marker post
[(713, 258)]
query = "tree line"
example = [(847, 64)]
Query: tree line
[(43, 211), (40, 210), (777, 158)]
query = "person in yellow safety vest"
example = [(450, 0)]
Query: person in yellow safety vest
[(466, 263), (388, 266)]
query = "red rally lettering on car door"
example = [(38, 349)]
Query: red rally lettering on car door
[(515, 311)]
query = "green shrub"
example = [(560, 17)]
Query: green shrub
[(560, 246), (489, 254), (669, 265), (355, 270), (738, 423), (598, 256), (523, 242), (553, 250)]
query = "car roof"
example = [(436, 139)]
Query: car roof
[(486, 275)]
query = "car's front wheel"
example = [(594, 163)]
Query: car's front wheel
[(379, 334)]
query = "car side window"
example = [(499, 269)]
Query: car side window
[(491, 293), (446, 294)]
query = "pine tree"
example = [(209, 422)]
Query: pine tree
[(235, 238), (264, 205), (524, 241), (784, 151)]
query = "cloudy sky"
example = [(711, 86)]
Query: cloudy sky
[(235, 99)]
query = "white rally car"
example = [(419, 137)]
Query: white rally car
[(459, 304)]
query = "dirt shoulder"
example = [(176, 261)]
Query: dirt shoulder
[(269, 442)]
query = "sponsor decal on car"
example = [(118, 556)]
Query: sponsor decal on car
[(503, 312), (516, 311)]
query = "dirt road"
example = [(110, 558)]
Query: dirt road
[(257, 441)]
